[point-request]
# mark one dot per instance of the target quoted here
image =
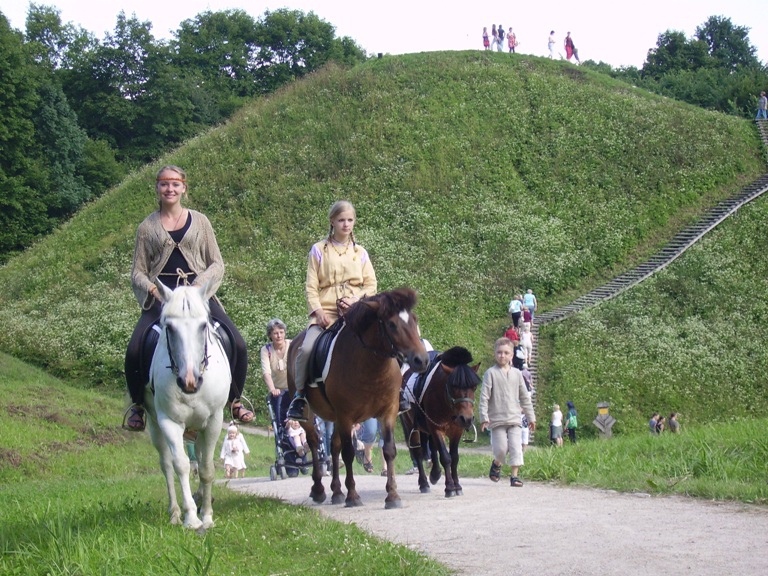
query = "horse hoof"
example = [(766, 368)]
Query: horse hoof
[(337, 499), (353, 503), (459, 492), (450, 493), (435, 477), (393, 504), (424, 489), (318, 498)]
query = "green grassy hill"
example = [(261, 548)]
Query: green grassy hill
[(475, 176)]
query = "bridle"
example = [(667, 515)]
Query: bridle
[(392, 353), (174, 367)]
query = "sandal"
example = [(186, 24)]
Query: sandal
[(368, 467), (240, 412), (516, 482), (133, 419), (495, 473)]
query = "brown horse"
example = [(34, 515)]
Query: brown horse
[(443, 407), (363, 381)]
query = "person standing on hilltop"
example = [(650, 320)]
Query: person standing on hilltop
[(500, 31), (486, 41), (551, 44), (511, 40), (495, 35)]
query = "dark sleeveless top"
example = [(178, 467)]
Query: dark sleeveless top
[(170, 273)]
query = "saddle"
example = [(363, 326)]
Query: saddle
[(321, 352), (421, 379), (152, 335)]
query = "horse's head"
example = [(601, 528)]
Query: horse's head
[(399, 328), (184, 320), (461, 384)]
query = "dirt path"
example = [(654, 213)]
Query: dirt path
[(550, 530)]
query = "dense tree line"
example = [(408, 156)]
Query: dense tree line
[(716, 69), (79, 112)]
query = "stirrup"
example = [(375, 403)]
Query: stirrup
[(297, 408), (244, 415), (138, 411)]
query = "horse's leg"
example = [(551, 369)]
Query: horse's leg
[(205, 446), (348, 455), (166, 466), (434, 444), (418, 456), (390, 451), (174, 437), (454, 449), (317, 493), (337, 495), (445, 461)]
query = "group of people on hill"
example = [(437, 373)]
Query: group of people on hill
[(658, 424), (496, 39)]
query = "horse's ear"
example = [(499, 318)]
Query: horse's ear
[(165, 292), (476, 367)]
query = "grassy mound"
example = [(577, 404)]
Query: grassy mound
[(475, 176)]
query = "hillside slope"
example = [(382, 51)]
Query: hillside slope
[(474, 175)]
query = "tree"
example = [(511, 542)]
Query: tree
[(674, 53), (727, 45), (22, 212), (51, 42)]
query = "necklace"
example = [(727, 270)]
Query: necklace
[(176, 224), (333, 245)]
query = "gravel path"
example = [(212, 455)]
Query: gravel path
[(545, 529)]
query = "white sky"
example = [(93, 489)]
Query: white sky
[(616, 32)]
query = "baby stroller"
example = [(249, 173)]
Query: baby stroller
[(288, 464)]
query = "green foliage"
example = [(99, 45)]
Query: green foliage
[(451, 159), (690, 339)]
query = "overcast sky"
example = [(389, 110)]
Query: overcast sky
[(619, 33)]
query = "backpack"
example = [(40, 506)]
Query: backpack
[(573, 421)]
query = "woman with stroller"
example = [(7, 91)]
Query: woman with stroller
[(274, 356)]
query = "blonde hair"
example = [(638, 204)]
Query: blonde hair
[(182, 177), (503, 341), (337, 208)]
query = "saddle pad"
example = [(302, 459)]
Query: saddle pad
[(320, 360), (416, 385)]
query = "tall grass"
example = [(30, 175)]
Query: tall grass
[(82, 497)]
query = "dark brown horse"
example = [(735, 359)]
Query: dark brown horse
[(443, 407), (363, 382)]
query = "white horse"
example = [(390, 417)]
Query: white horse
[(188, 388)]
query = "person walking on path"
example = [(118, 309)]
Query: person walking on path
[(339, 273), (571, 422), (274, 367), (762, 107), (551, 44), (570, 49), (556, 426), (504, 399)]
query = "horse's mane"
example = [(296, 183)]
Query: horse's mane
[(186, 302), (382, 305), (462, 377)]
